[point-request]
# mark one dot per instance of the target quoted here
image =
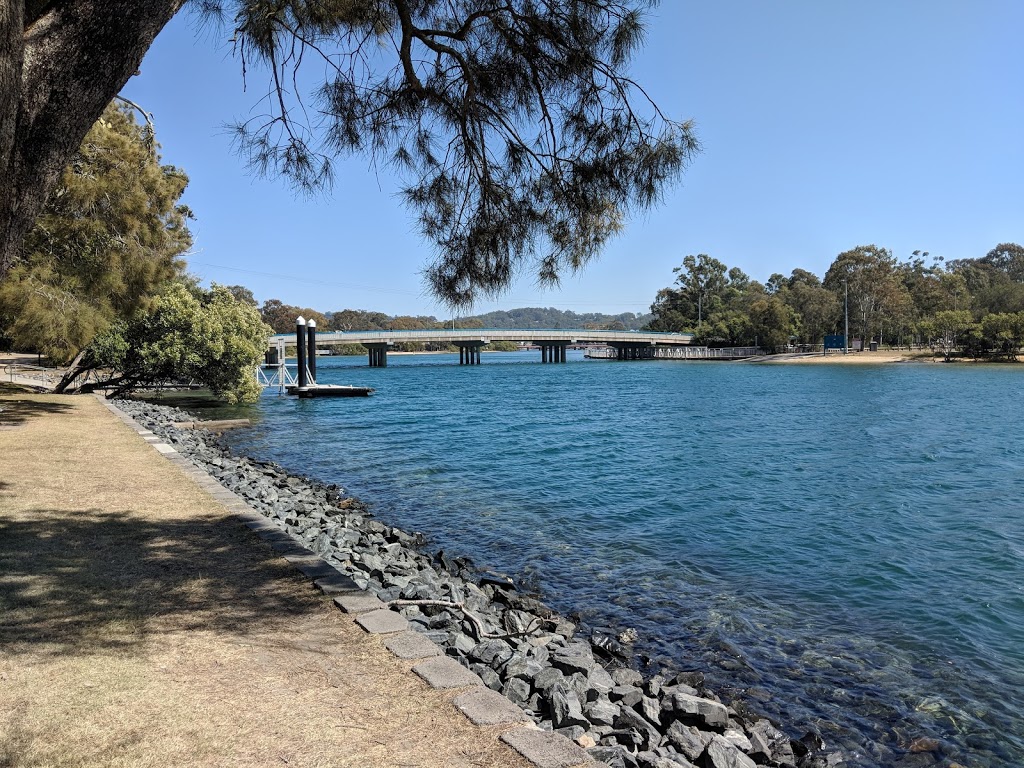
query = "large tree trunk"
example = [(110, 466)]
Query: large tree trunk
[(61, 62)]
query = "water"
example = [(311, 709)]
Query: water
[(840, 547)]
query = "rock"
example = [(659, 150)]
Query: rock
[(649, 734), (689, 707), (650, 709), (523, 667), (692, 679), (654, 760), (626, 695), (547, 678), (601, 712), (575, 657), (688, 740), (494, 653), (738, 739), (613, 757), (517, 691), (565, 707), (925, 744), (628, 677), (586, 741), (721, 753), (779, 749), (653, 686), (600, 680)]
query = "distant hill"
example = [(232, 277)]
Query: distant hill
[(525, 317), (539, 317)]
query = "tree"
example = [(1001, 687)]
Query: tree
[(771, 322), (1004, 332), (877, 296), (1007, 258), (281, 317), (107, 241), (190, 335), (520, 135), (242, 294), (950, 327)]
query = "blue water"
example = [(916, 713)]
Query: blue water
[(840, 547)]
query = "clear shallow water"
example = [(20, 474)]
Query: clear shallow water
[(843, 548)]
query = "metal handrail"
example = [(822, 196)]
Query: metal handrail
[(28, 371)]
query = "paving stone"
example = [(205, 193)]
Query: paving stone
[(545, 749), (383, 622), (486, 707), (311, 566), (164, 448), (361, 603), (411, 645), (337, 584), (443, 672)]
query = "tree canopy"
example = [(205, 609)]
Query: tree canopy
[(968, 306), (520, 136), (107, 241), (189, 334)]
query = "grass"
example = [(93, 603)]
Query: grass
[(140, 625)]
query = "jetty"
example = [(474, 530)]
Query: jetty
[(304, 384)]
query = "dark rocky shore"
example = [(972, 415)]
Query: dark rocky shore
[(581, 686)]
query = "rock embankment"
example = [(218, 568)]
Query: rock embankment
[(580, 687)]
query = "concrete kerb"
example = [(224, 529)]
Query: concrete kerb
[(382, 622), (413, 645), (481, 705), (546, 749), (443, 673)]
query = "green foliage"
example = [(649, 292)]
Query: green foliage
[(281, 317), (1004, 333), (106, 243), (243, 294), (210, 338), (520, 136), (771, 322), (970, 306), (878, 297)]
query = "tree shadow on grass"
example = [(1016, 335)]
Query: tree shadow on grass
[(15, 412), (93, 581)]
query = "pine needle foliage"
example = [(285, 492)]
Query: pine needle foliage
[(517, 131)]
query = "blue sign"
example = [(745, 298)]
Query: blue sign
[(837, 341)]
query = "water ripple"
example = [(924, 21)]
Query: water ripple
[(841, 547)]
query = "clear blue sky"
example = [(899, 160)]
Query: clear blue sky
[(825, 125)]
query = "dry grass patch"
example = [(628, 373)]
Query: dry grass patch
[(141, 625)]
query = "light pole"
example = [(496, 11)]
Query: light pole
[(846, 316)]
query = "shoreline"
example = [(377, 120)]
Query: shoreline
[(582, 688)]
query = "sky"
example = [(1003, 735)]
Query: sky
[(823, 125)]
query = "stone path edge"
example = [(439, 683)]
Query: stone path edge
[(542, 749)]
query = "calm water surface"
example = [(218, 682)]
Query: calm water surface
[(840, 547)]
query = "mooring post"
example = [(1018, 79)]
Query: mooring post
[(311, 350), (300, 350)]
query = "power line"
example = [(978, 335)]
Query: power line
[(509, 302)]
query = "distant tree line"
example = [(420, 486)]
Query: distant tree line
[(967, 306), (281, 317)]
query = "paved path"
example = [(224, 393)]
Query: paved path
[(141, 624)]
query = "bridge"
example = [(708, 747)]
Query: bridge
[(629, 345)]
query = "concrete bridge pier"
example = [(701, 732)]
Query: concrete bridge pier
[(469, 354), (552, 353), (378, 354)]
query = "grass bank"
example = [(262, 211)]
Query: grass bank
[(141, 625)]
